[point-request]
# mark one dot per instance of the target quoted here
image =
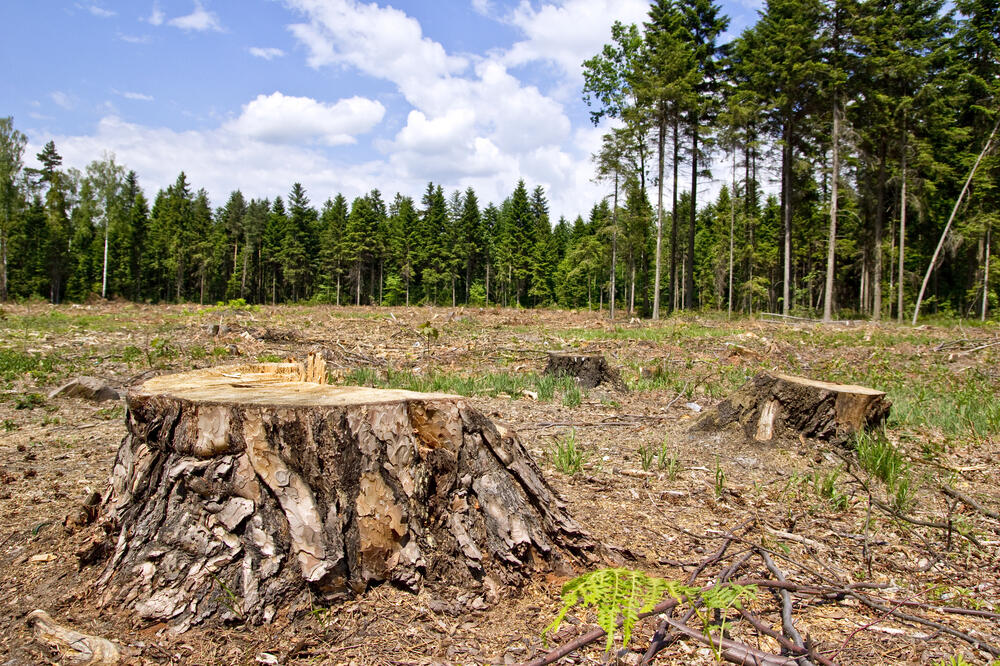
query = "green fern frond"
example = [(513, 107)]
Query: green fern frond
[(626, 593), (617, 593)]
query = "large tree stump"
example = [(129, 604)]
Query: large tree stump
[(238, 490), (771, 403), (590, 370)]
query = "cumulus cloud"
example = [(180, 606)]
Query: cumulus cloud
[(199, 20), (278, 118), (218, 160), (471, 119), (548, 37), (139, 97), (267, 53)]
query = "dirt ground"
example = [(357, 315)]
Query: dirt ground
[(662, 520)]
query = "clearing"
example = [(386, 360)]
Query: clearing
[(912, 522)]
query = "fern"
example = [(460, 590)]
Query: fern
[(617, 592), (626, 593)]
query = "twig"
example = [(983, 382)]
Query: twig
[(787, 625), (962, 497)]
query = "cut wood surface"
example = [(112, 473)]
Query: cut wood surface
[(771, 403), (590, 370), (241, 490)]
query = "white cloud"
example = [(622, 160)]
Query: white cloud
[(267, 53), (156, 17), (472, 121), (198, 20), (100, 12), (139, 97), (135, 39), (219, 160), (61, 99), (568, 32), (278, 118)]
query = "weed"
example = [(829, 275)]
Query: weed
[(15, 364), (130, 354), (572, 397), (880, 458), (720, 479), (955, 660), (111, 413), (646, 456), (825, 486), (28, 401), (197, 353), (9, 425), (545, 386), (668, 462), (567, 458), (269, 358)]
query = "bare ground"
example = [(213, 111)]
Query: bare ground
[(54, 451)]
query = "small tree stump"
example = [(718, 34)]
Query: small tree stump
[(590, 370), (239, 489), (770, 403)]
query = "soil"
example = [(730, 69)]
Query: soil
[(55, 452)]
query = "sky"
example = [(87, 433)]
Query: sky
[(339, 95)]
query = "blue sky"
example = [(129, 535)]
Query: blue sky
[(339, 95)]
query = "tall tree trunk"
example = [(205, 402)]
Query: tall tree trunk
[(877, 240), (3, 266), (831, 252), (104, 272), (732, 227), (900, 295), (786, 203), (614, 247), (951, 218), (986, 274), (689, 274), (662, 135), (673, 220)]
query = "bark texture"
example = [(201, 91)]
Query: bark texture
[(240, 491), (772, 404), (590, 370)]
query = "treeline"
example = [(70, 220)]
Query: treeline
[(71, 235), (871, 115)]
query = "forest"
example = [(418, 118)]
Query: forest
[(856, 140)]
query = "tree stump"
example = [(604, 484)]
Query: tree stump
[(241, 489), (770, 403), (590, 370)]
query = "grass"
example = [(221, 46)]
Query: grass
[(882, 460), (490, 384), (566, 456), (14, 364)]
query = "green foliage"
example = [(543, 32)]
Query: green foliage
[(29, 401), (623, 594), (668, 461), (882, 460), (720, 479), (566, 456), (15, 364), (954, 660), (572, 397), (825, 486), (646, 456)]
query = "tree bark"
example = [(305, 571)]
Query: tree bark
[(243, 490), (770, 404), (831, 252), (662, 136)]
